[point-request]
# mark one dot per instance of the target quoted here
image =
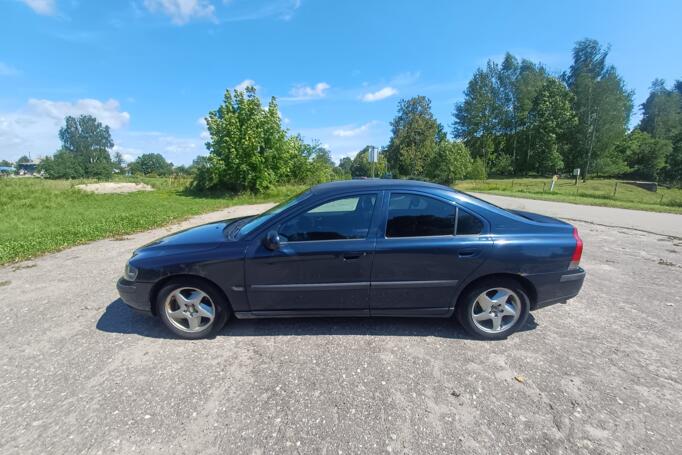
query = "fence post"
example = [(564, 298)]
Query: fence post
[(615, 188), (661, 201), (544, 184), (512, 184)]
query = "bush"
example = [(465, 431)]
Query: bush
[(450, 162), (477, 170)]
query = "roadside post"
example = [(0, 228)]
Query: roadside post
[(554, 179), (576, 173), (372, 159)]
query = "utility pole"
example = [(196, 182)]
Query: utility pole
[(372, 159)]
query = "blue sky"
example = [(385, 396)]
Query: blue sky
[(151, 69)]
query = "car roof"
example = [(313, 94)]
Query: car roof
[(377, 184)]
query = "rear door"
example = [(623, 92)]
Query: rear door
[(324, 262), (428, 247)]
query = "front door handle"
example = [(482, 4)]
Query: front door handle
[(353, 256), (468, 254)]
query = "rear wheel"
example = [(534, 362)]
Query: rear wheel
[(494, 309), (192, 308)]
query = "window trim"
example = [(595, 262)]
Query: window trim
[(377, 197), (483, 224), (440, 236)]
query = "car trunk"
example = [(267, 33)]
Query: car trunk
[(541, 218)]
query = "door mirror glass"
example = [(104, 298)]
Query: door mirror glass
[(271, 240)]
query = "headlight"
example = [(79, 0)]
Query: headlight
[(130, 272)]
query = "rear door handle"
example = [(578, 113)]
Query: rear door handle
[(353, 256), (468, 253)]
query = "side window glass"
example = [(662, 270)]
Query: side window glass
[(411, 215), (340, 219), (468, 224)]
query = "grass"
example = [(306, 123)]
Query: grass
[(594, 192), (41, 216)]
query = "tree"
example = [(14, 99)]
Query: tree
[(673, 168), (662, 111), (477, 117), (199, 163), (603, 107), (248, 148), (321, 165), (531, 79), (5, 163), (415, 133), (89, 141), (345, 165), (551, 120), (645, 155), (450, 162), (62, 165), (151, 164), (23, 160), (119, 162)]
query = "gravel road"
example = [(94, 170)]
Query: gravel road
[(601, 374)]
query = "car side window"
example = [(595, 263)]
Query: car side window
[(340, 219), (412, 215), (468, 224)]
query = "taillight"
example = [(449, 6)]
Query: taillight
[(577, 252)]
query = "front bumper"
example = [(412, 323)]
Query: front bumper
[(135, 294), (557, 287)]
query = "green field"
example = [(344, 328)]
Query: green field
[(593, 192), (40, 216)]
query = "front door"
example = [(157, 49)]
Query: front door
[(428, 248), (324, 262)]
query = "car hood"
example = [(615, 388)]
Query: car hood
[(199, 238)]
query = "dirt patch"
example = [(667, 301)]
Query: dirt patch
[(112, 187)]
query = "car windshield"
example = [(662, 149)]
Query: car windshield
[(254, 223)]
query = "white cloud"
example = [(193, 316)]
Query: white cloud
[(7, 70), (347, 140), (246, 83), (182, 11), (44, 7), (107, 112), (379, 95), (406, 78), (34, 127), (304, 92), (350, 132)]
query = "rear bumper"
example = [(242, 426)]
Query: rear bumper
[(134, 294), (556, 287)]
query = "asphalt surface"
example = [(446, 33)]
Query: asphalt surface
[(81, 373), (654, 222)]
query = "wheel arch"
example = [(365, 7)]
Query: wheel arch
[(525, 283), (154, 292)]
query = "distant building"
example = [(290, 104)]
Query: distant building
[(29, 168), (6, 170)]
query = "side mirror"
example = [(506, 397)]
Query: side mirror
[(271, 241)]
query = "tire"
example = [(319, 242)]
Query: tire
[(506, 315), (186, 304)]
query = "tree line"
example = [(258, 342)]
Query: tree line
[(516, 119)]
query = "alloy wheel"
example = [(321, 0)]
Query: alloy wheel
[(496, 310), (189, 309)]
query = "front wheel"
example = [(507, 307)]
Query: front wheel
[(494, 309), (192, 309)]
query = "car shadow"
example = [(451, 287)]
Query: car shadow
[(119, 318)]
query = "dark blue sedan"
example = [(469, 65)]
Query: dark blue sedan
[(361, 248)]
